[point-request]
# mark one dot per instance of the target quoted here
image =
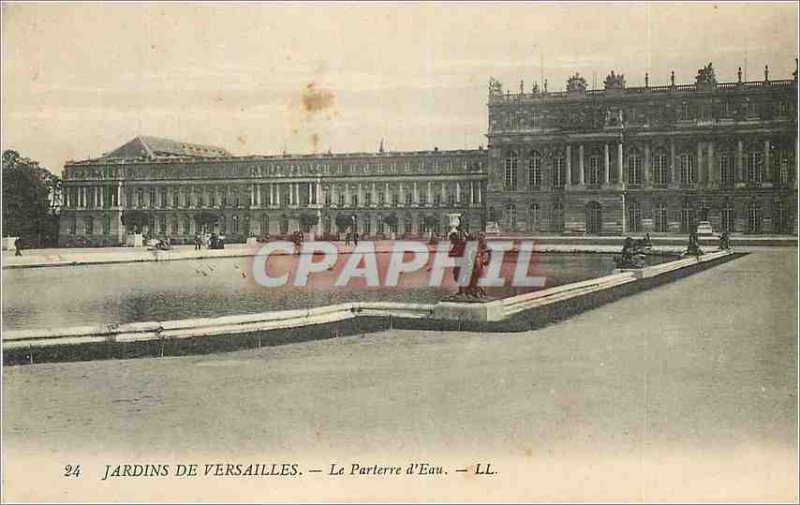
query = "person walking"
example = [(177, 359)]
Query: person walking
[(18, 247)]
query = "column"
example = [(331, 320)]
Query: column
[(387, 201), (402, 196), (444, 194), (646, 171), (580, 166), (430, 194), (471, 192), (347, 199), (767, 173), (606, 163), (318, 194), (359, 195), (458, 192), (700, 175), (569, 166), (619, 162), (374, 196), (740, 162), (416, 194), (672, 164), (712, 176), (252, 195), (311, 194), (480, 192), (297, 194), (278, 195), (332, 189)]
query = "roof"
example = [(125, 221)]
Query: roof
[(156, 148)]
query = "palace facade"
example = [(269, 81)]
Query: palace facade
[(174, 189), (657, 159), (617, 160)]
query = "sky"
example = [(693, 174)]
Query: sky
[(78, 80)]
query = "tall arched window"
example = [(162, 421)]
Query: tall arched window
[(728, 216), (187, 226), (688, 173), (264, 224), (533, 217), (753, 166), (687, 217), (726, 173), (511, 165), (595, 170), (535, 170), (634, 167), (559, 171), (661, 167), (784, 218), (511, 216), (754, 218), (634, 216), (557, 217), (660, 217), (594, 218)]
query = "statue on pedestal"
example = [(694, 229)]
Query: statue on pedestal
[(724, 241), (633, 254), (693, 248)]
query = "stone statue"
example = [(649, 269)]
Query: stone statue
[(614, 81), (724, 241), (576, 83), (633, 254), (495, 88), (693, 248), (706, 77)]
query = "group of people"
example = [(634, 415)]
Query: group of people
[(351, 236), (214, 242)]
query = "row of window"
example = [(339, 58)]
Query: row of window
[(689, 215), (147, 172), (752, 164)]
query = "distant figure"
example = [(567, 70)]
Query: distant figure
[(355, 238), (18, 247), (347, 238), (198, 242)]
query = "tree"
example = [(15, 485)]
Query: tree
[(391, 221), (135, 219), (307, 221), (31, 199), (343, 222)]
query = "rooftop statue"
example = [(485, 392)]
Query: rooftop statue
[(614, 81), (706, 78), (576, 83), (495, 87)]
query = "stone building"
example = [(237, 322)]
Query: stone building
[(174, 189), (657, 159)]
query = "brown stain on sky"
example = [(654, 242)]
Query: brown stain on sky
[(316, 100)]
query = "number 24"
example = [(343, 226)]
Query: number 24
[(70, 471)]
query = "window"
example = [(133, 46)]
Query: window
[(409, 198), (223, 225), (492, 215), (423, 199), (73, 226), (754, 218), (354, 200), (437, 199), (175, 196), (511, 217), (661, 167), (187, 226), (687, 217), (451, 200), (163, 225), (535, 170), (140, 197), (395, 199), (783, 218), (559, 171), (595, 170), (174, 227), (381, 198), (201, 198), (660, 217), (328, 198), (114, 196), (341, 200), (533, 216), (88, 226), (688, 173), (106, 225), (726, 174), (151, 202), (368, 199), (753, 166), (235, 225), (264, 224), (557, 217), (728, 217), (634, 167), (408, 225), (511, 171), (634, 217)]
